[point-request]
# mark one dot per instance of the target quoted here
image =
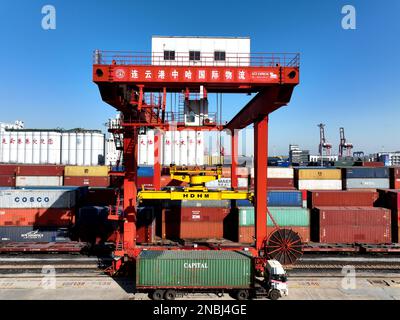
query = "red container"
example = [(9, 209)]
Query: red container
[(203, 214), (246, 233), (40, 170), (8, 169), (7, 181), (395, 178), (87, 181), (372, 164), (37, 217), (201, 230), (351, 225), (146, 181), (146, 225), (100, 197), (327, 198), (278, 184)]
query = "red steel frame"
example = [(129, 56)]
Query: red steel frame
[(272, 76)]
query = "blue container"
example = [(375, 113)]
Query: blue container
[(34, 234), (145, 172), (285, 199), (244, 203), (364, 172)]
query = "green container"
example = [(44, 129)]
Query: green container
[(283, 216), (194, 269)]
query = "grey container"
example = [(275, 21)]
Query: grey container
[(38, 198), (34, 234), (367, 183), (198, 204)]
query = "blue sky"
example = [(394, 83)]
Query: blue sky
[(349, 78)]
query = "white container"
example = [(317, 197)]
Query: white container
[(221, 183), (39, 181), (320, 184), (183, 148), (82, 148), (150, 147), (167, 148), (21, 198), (243, 182), (199, 148), (175, 148), (277, 172), (192, 147)]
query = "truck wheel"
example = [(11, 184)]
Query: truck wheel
[(274, 294), (157, 294), (170, 295), (241, 295)]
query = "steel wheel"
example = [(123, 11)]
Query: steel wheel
[(285, 246)]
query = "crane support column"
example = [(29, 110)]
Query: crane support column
[(157, 160), (260, 179), (234, 152), (130, 188)]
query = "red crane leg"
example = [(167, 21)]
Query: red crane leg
[(234, 147), (260, 177), (130, 188), (157, 159)]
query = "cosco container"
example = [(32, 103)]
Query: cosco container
[(365, 183), (283, 216), (365, 172), (194, 269), (318, 174), (320, 184), (34, 234), (86, 171), (341, 198), (46, 181), (39, 198), (284, 199), (36, 217)]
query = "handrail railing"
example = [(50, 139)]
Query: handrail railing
[(206, 59)]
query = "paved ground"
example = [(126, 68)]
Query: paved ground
[(82, 287)]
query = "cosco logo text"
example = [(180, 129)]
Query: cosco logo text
[(31, 199)]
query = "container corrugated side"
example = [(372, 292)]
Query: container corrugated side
[(284, 198), (283, 216), (318, 174), (34, 234), (276, 172), (103, 182), (247, 233), (36, 217), (86, 171), (194, 269), (365, 183), (47, 181), (320, 184), (40, 170), (365, 172), (145, 172), (341, 198), (39, 198), (7, 180)]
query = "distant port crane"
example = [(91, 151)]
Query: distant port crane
[(324, 146), (344, 145)]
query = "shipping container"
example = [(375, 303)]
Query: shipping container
[(39, 170), (280, 183), (39, 198), (371, 173), (44, 181), (100, 197), (277, 173), (390, 199), (366, 183), (351, 225), (102, 182), (194, 269), (8, 169), (247, 233), (36, 217), (395, 178), (7, 181), (320, 184), (284, 199), (341, 198), (34, 234), (145, 181), (318, 174), (145, 171), (146, 225), (86, 171), (197, 203), (283, 216), (371, 164)]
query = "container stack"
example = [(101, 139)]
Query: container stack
[(318, 179), (39, 175), (366, 178), (91, 176), (286, 209), (390, 199), (189, 219), (348, 217), (277, 178), (37, 215)]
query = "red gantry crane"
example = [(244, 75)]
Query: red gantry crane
[(137, 87), (344, 145)]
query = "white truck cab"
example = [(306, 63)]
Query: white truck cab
[(276, 279)]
